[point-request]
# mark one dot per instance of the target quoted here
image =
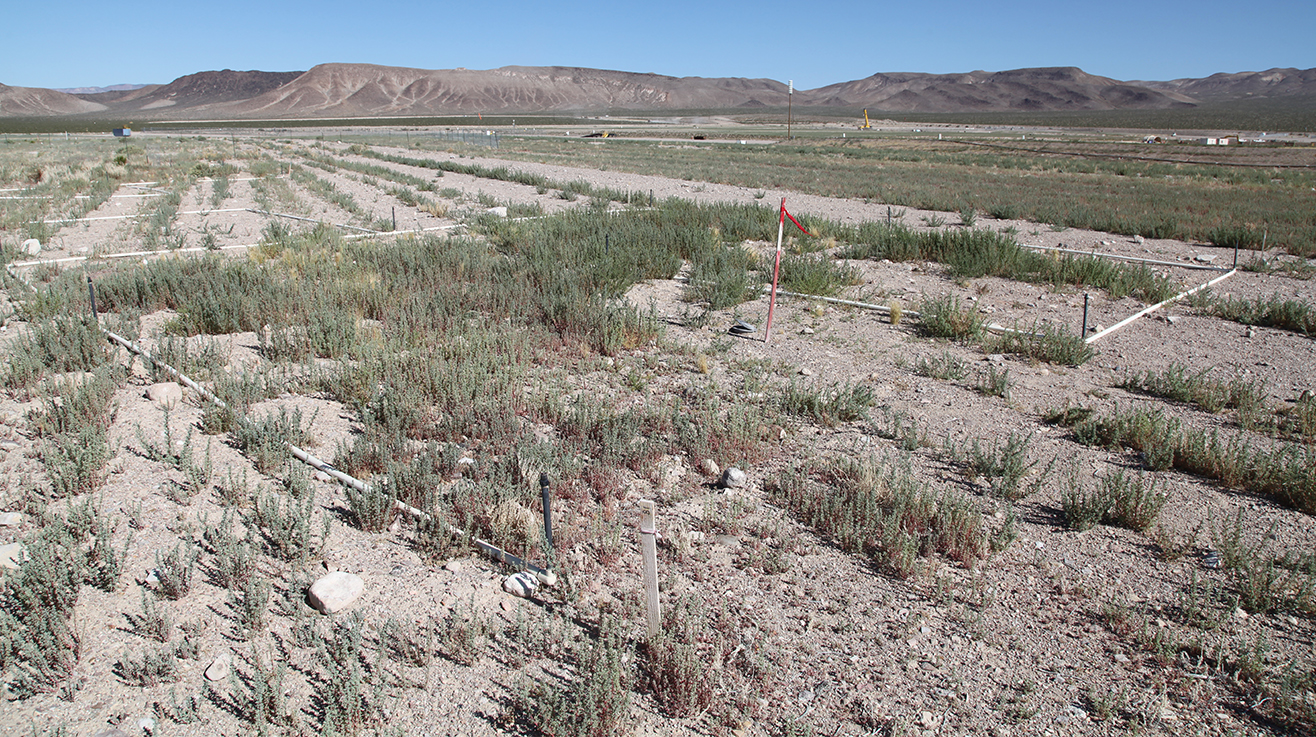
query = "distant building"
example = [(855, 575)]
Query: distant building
[(122, 132)]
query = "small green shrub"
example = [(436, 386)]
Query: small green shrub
[(828, 405), (945, 318), (596, 703), (1045, 342), (154, 667)]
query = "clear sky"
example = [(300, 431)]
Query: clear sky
[(63, 43)]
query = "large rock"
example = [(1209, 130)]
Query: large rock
[(12, 555), (521, 584), (334, 592), (165, 394), (733, 478), (219, 669), (31, 247)]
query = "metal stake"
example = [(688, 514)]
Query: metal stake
[(1085, 317), (649, 551), (91, 292), (548, 509), (395, 219)]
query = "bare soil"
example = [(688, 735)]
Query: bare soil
[(1017, 645)]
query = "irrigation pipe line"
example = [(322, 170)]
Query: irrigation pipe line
[(80, 196), (297, 217), (130, 254), (545, 575), (125, 217), (1159, 305), (993, 327), (1120, 157), (1117, 257)]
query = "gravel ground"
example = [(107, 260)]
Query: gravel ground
[(1017, 645)]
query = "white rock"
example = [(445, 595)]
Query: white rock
[(806, 331), (806, 371), (219, 669), (146, 724), (165, 394), (11, 519), (1138, 239), (733, 478), (499, 211), (334, 591), (1173, 319), (521, 584), (12, 555), (709, 467), (1204, 258), (452, 566), (31, 246)]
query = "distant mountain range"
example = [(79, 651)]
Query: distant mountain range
[(368, 90)]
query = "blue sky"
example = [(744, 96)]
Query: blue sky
[(60, 43)]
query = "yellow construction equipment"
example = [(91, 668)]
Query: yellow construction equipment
[(866, 125)]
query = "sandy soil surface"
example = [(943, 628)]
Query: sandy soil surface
[(1017, 645)]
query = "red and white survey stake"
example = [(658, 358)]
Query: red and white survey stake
[(776, 268)]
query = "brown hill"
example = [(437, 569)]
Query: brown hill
[(15, 101), (365, 89), (352, 90), (194, 92), (1054, 88), (1221, 87)]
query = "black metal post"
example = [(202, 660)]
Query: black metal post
[(548, 509), (1084, 334), (91, 292), (395, 219)]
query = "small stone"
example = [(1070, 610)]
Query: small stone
[(1173, 319), (219, 668), (1096, 328), (333, 592), (453, 566), (1251, 333), (165, 394), (499, 211), (806, 331), (31, 246), (146, 724), (322, 476), (521, 584), (1121, 658), (927, 720), (709, 467), (111, 732), (733, 478), (694, 536), (11, 519), (1138, 239), (12, 555), (806, 371), (1239, 613), (507, 605), (1204, 258)]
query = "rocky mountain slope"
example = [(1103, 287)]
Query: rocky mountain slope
[(352, 90)]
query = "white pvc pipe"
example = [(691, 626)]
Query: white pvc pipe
[(1118, 257), (130, 254), (1159, 305), (138, 215)]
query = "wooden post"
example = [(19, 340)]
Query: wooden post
[(649, 551)]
